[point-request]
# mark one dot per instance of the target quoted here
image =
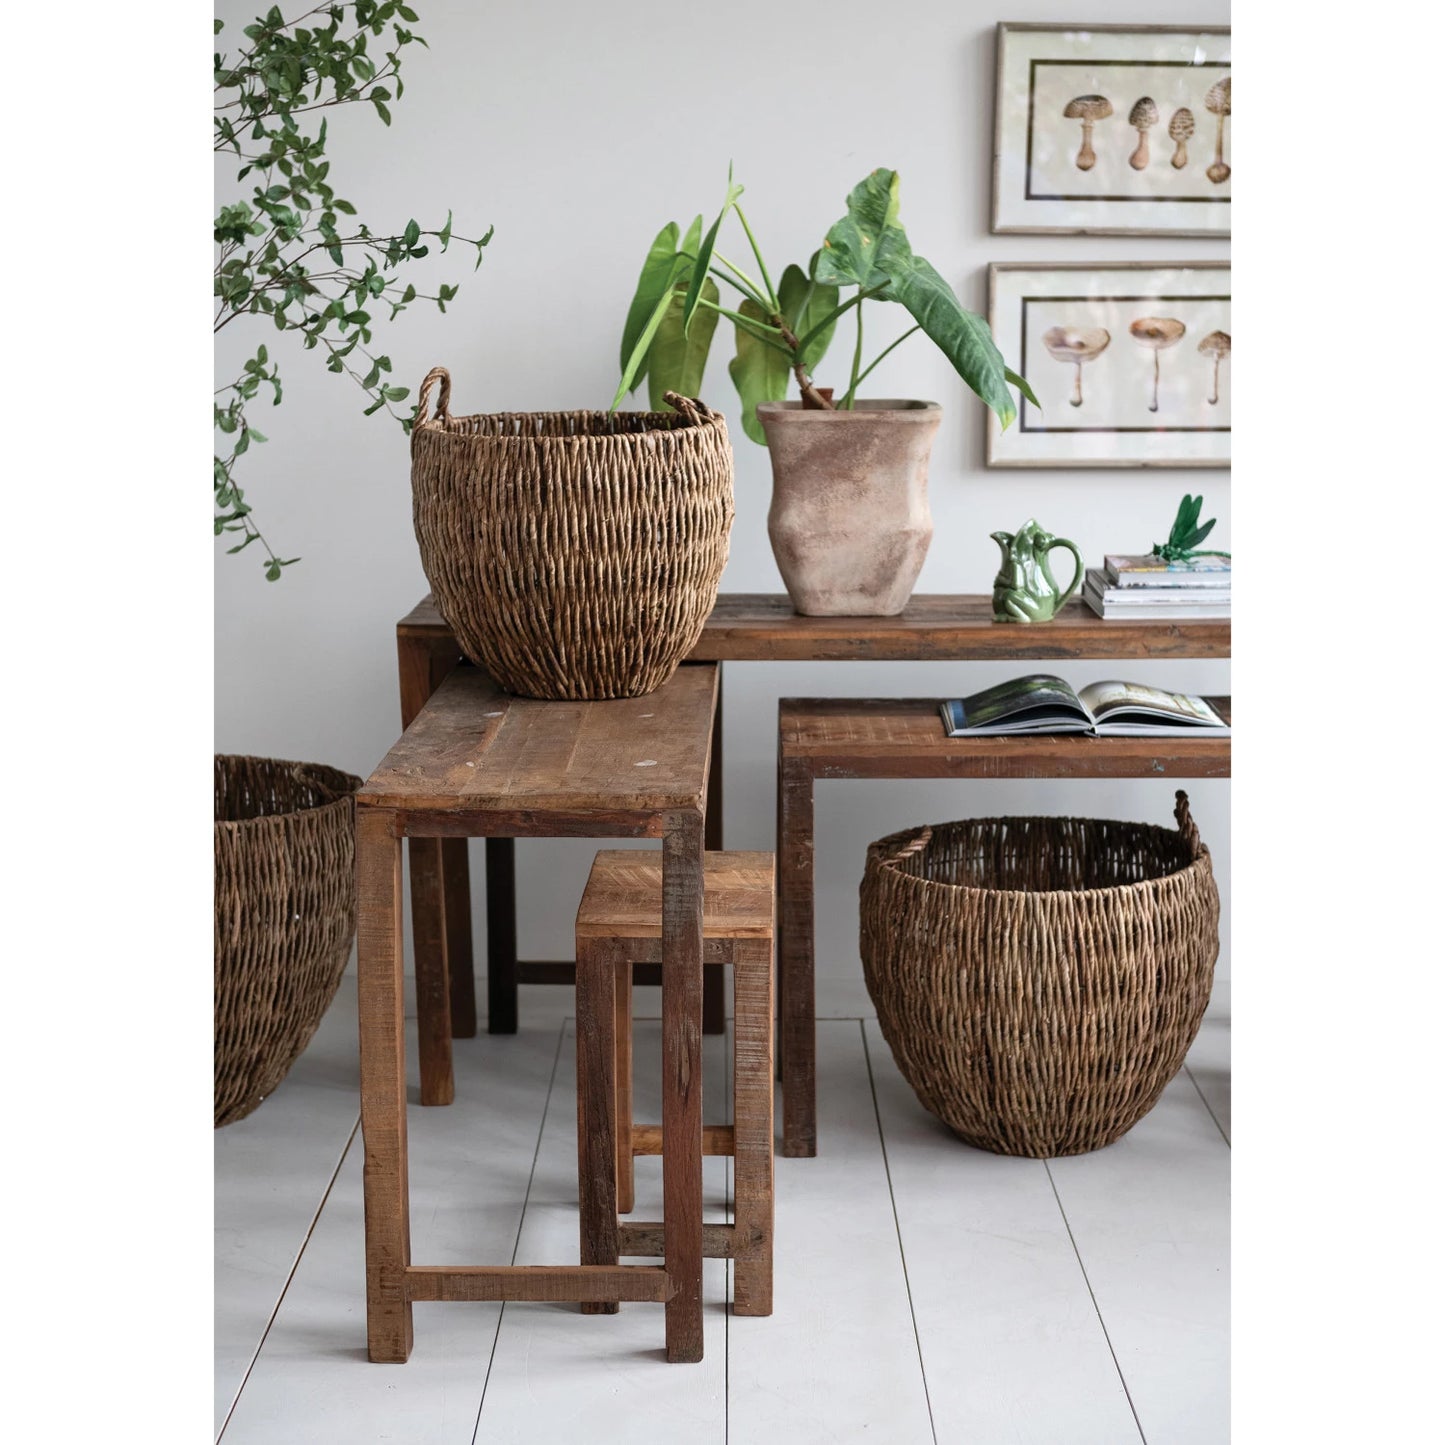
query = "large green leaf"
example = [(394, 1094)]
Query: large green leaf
[(805, 303), (962, 337), (678, 357), (632, 367), (704, 255), (855, 248), (759, 371), (652, 284)]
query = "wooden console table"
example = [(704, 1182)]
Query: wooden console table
[(757, 627), (831, 738)]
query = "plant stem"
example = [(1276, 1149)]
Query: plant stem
[(749, 286), (863, 375), (813, 399), (838, 311), (857, 363), (761, 329), (739, 287), (758, 256)]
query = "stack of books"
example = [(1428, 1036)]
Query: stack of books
[(1152, 588)]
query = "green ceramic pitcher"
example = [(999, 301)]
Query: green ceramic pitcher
[(1025, 590)]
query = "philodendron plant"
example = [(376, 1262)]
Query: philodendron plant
[(785, 330)]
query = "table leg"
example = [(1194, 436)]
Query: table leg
[(461, 969), (441, 906), (682, 970), (501, 936), (597, 1082), (753, 1124), (714, 983), (383, 1086), (433, 993), (797, 1035)]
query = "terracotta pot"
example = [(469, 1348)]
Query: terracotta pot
[(849, 522)]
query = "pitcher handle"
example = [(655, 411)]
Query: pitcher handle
[(1078, 570)]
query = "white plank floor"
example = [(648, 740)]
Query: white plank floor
[(925, 1292)]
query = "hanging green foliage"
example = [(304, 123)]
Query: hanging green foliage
[(288, 248)]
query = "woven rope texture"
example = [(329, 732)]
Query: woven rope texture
[(574, 554), (1040, 980), (285, 917)]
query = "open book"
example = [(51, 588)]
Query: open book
[(1044, 704)]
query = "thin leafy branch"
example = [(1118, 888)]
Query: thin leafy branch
[(270, 239)]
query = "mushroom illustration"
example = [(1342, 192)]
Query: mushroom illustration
[(1064, 343), (1087, 108), (1158, 333), (1217, 345), (1144, 115), (1217, 103), (1181, 127)]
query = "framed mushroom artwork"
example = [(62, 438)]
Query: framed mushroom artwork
[(1129, 361), (1112, 130)]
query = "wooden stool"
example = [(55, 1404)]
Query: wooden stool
[(619, 923)]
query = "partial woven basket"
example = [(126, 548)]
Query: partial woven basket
[(1040, 980), (574, 554), (285, 916)]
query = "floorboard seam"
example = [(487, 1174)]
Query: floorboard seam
[(898, 1229), (1222, 1132), (1089, 1285), (291, 1274), (521, 1222)]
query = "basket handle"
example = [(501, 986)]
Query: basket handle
[(916, 844), (693, 408), (444, 397), (1188, 829)]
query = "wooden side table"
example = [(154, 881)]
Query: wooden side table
[(478, 763), (890, 738), (743, 627)]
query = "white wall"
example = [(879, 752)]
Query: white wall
[(578, 129)]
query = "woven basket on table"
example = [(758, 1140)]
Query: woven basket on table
[(285, 916), (1040, 980), (574, 554)]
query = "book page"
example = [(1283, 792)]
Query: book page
[(1109, 699), (1036, 695)]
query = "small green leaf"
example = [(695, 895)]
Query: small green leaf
[(704, 255), (805, 303), (759, 372), (653, 282), (676, 360), (1015, 379), (632, 367)]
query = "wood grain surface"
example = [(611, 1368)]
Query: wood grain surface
[(762, 627), (475, 749)]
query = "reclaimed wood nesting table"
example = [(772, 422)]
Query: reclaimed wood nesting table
[(828, 738), (475, 762), (818, 741)]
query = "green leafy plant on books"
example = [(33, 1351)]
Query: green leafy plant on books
[(286, 250), (785, 330), (1186, 534)]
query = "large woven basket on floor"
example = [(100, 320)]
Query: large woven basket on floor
[(285, 916), (575, 554), (1040, 980)]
